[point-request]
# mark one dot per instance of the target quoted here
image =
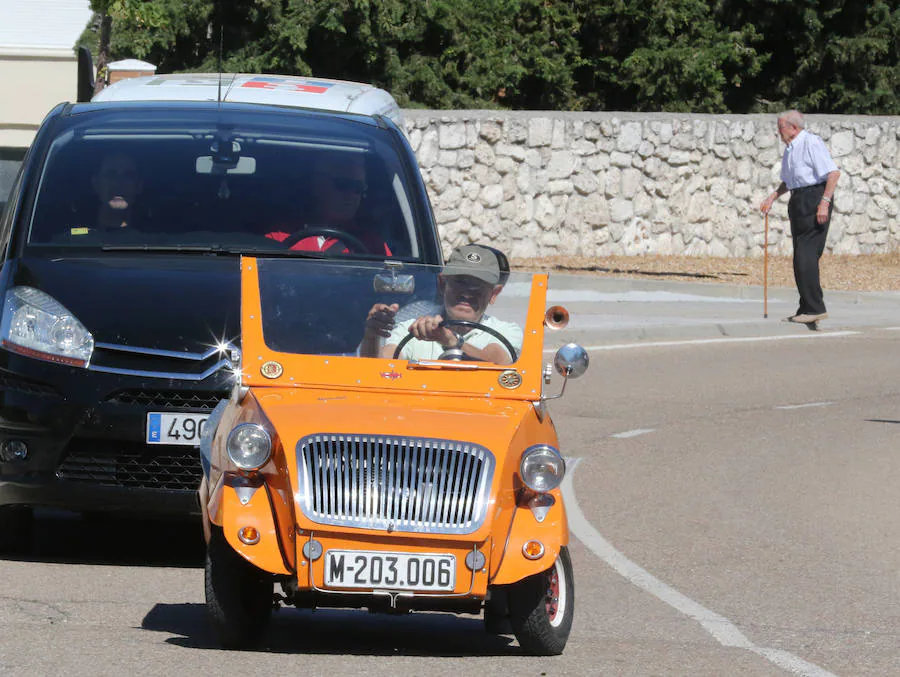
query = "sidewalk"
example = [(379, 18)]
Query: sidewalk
[(613, 310)]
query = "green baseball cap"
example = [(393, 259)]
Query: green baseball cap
[(476, 261)]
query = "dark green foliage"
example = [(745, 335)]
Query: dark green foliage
[(679, 55)]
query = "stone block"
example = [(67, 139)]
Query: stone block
[(490, 130), (630, 137), (842, 143), (540, 132), (516, 131), (562, 164), (620, 210), (452, 136)]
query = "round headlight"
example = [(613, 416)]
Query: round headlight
[(249, 446), (542, 468)]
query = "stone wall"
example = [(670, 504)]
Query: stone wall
[(540, 183)]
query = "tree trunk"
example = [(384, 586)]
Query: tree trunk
[(103, 53)]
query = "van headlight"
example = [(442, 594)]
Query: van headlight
[(249, 446), (542, 468), (37, 325)]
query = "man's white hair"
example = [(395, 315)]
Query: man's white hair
[(793, 117)]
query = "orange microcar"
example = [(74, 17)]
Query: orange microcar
[(391, 482)]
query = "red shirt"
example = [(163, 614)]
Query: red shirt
[(318, 243)]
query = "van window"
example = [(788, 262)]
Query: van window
[(157, 180)]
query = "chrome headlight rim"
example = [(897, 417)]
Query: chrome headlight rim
[(527, 477), (231, 442)]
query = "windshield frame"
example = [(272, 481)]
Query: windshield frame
[(419, 232), (264, 367)]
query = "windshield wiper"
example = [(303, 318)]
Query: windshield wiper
[(187, 248)]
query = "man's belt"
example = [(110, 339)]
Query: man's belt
[(804, 188)]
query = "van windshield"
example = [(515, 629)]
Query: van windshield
[(230, 181)]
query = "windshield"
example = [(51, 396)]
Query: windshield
[(368, 310), (232, 181)]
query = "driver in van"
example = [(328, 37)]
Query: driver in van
[(471, 280), (117, 185), (338, 189)]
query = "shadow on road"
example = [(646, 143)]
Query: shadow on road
[(115, 539), (343, 632)]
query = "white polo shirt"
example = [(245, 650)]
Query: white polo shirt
[(806, 161), (432, 350)]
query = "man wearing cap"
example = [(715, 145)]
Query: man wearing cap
[(808, 171), (469, 283)]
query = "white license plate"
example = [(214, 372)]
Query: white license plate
[(167, 428), (389, 570)]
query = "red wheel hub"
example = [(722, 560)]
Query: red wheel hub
[(552, 594)]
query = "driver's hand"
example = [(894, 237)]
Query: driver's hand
[(427, 328), (380, 320)]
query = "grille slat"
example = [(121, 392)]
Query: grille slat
[(169, 399), (123, 464), (402, 484)]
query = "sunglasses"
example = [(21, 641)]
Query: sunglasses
[(346, 185)]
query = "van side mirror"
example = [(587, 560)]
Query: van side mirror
[(85, 75)]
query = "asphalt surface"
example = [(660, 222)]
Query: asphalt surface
[(608, 310), (732, 500)]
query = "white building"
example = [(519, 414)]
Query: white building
[(38, 70)]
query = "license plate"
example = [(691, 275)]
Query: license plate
[(392, 570), (167, 428)]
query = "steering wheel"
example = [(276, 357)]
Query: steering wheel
[(468, 325), (353, 244)]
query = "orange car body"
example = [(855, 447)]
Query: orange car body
[(314, 404)]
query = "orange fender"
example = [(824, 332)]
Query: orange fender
[(238, 507), (552, 532)]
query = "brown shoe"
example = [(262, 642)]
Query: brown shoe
[(789, 318), (807, 319)]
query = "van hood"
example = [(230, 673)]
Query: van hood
[(183, 302)]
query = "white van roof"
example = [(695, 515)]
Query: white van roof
[(277, 90)]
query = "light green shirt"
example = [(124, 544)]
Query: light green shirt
[(417, 349)]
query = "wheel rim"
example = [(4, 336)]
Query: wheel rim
[(556, 594)]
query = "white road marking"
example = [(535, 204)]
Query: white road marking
[(633, 433), (804, 406), (722, 630), (697, 342)]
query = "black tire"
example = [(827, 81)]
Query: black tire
[(541, 608), (239, 596), (16, 529)]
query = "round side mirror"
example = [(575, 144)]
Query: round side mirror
[(571, 360)]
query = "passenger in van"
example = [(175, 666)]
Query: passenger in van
[(117, 185), (470, 281), (338, 187)]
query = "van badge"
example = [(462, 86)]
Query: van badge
[(271, 369), (392, 375)]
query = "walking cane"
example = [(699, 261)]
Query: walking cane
[(766, 270)]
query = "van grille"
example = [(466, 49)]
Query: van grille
[(395, 483), (169, 399), (121, 464)]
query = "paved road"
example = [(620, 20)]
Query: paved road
[(733, 512)]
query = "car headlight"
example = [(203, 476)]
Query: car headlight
[(37, 325), (249, 446), (542, 468)]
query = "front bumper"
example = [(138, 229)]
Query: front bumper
[(85, 434)]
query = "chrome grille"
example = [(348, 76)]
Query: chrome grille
[(395, 483)]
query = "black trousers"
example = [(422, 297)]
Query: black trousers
[(809, 244)]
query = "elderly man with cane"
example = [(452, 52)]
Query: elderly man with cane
[(808, 171)]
